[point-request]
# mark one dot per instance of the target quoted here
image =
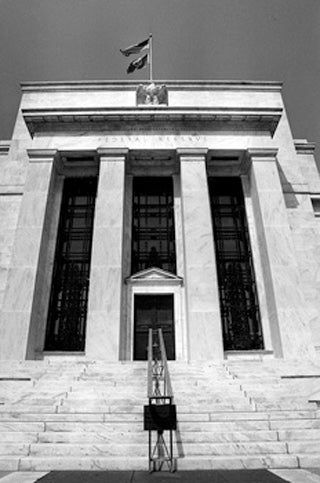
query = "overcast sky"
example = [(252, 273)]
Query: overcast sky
[(193, 39)]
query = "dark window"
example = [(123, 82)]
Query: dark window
[(237, 286), (70, 282), (153, 237)]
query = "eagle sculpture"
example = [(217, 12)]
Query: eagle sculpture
[(152, 94)]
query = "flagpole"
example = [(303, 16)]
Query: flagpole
[(150, 60)]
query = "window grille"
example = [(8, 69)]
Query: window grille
[(70, 281), (153, 234), (237, 287)]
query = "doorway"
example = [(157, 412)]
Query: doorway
[(153, 312)]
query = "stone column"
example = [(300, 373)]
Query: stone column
[(19, 296), (289, 327), (203, 309), (105, 293)]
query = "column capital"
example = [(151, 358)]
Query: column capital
[(42, 155), (262, 154), (192, 154), (114, 154)]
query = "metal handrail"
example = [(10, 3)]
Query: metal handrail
[(160, 396), (159, 383), (150, 358), (167, 381)]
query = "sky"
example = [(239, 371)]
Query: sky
[(276, 40)]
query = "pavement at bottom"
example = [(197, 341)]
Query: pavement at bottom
[(199, 476)]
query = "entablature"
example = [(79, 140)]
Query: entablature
[(155, 118)]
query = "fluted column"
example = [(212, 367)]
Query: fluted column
[(15, 324), (105, 293), (289, 326), (203, 310)]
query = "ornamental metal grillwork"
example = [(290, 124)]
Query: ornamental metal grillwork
[(237, 287), (153, 234), (70, 282)]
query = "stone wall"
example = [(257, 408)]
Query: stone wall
[(230, 134)]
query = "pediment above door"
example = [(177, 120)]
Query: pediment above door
[(154, 276)]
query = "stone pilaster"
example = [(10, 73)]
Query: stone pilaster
[(204, 322), (289, 326), (19, 296), (105, 294)]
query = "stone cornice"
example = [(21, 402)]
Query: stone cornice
[(304, 147), (95, 85), (262, 154), (4, 147), (149, 118), (42, 155)]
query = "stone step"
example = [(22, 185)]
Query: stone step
[(114, 449), (14, 418), (304, 446), (103, 388), (35, 401), (94, 450), (295, 424), (207, 408), (98, 463), (9, 463), (113, 376), (278, 420), (141, 463), (18, 437), (310, 460), (280, 398), (195, 393), (12, 449), (107, 399), (272, 406), (226, 426), (114, 399), (300, 434), (142, 437), (35, 392), (132, 416), (29, 426), (242, 462), (22, 408), (113, 408), (103, 428), (91, 390), (293, 414)]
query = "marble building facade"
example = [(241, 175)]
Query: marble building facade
[(208, 138)]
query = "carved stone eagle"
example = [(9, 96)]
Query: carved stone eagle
[(152, 94)]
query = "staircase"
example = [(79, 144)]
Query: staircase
[(88, 415)]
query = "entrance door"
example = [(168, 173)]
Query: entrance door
[(153, 312)]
